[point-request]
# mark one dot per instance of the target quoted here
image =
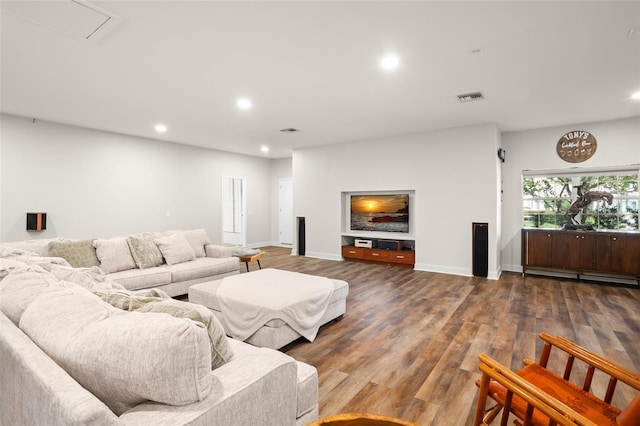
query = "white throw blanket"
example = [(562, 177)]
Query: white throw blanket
[(248, 301)]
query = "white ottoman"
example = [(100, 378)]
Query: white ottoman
[(275, 333)]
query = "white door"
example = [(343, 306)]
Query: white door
[(286, 211), (233, 215)]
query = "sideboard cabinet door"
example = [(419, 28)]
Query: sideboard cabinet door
[(566, 250), (538, 248), (625, 255)]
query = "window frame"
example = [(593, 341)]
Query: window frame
[(576, 175)]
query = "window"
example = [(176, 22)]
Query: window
[(610, 200)]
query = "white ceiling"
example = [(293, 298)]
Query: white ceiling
[(313, 66)]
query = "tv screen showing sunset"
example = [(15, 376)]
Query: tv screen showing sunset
[(386, 213)]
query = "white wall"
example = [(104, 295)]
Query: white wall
[(280, 168), (455, 175), (99, 184), (618, 145)]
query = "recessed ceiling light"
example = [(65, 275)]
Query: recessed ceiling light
[(264, 149), (244, 104), (389, 62), (161, 128), (636, 96)]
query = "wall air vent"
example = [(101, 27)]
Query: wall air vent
[(289, 130), (476, 96)]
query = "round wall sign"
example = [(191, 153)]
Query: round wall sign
[(576, 146)]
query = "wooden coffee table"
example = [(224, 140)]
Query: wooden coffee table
[(252, 258)]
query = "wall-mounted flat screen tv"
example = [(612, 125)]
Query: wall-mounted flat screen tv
[(380, 213)]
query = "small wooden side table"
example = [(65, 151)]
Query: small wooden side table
[(361, 419), (252, 258)]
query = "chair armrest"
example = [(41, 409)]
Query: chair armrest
[(214, 250)]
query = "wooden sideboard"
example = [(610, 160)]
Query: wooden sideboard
[(405, 258), (582, 252)]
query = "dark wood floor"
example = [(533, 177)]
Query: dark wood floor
[(408, 344)]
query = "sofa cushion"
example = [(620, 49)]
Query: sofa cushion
[(79, 254), (202, 267), (38, 246), (134, 279), (124, 358), (214, 250), (21, 287), (221, 352), (145, 252), (197, 239), (175, 249), (90, 278), (8, 265), (154, 300), (114, 254)]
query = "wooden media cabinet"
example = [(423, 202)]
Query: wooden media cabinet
[(405, 258)]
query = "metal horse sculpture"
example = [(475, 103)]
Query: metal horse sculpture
[(584, 200)]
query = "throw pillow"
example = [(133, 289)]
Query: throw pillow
[(114, 255), (221, 351), (144, 251), (197, 239), (123, 358), (175, 249), (79, 254)]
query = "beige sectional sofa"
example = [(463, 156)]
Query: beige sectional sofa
[(171, 260), (77, 348)]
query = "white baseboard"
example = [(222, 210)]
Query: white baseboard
[(512, 268), (442, 269), (495, 275), (325, 256)]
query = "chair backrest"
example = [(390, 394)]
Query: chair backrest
[(593, 361), (536, 398)]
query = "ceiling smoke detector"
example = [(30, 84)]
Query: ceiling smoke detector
[(477, 96), (289, 130)]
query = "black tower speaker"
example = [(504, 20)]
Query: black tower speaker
[(480, 249), (301, 237)]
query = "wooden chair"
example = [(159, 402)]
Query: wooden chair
[(537, 396)]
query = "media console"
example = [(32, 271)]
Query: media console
[(383, 251)]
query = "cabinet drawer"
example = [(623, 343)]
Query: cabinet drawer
[(408, 257), (353, 252), (374, 254)]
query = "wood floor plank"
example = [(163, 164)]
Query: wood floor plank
[(408, 344)]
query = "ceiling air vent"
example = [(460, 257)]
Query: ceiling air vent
[(476, 96), (289, 130), (75, 18)]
